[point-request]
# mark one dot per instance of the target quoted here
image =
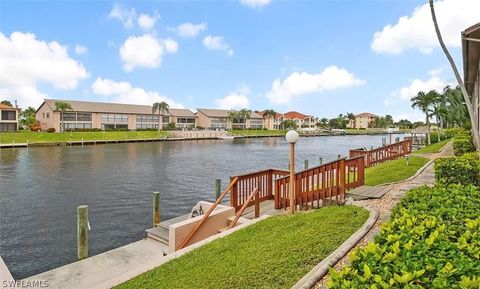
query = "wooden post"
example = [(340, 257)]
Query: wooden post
[(218, 188), (82, 232), (341, 179), (292, 178), (339, 156), (306, 164), (321, 160), (257, 205), (156, 209)]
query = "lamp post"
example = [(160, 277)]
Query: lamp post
[(292, 138)]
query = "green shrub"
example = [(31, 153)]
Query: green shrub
[(457, 170), (51, 130), (472, 155), (462, 146), (431, 241), (434, 137), (453, 132)]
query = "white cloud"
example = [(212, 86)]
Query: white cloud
[(171, 46), (417, 85), (80, 49), (255, 3), (235, 100), (417, 32), (146, 21), (26, 62), (300, 83), (124, 15), (145, 51), (124, 92), (189, 29), (217, 43)]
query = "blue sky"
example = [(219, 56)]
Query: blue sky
[(316, 57)]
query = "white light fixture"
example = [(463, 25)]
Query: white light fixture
[(292, 136)]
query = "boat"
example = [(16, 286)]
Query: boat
[(226, 137)]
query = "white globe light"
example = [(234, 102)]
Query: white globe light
[(292, 136)]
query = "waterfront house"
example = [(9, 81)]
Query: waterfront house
[(362, 120), (9, 117), (471, 67), (300, 119), (218, 119), (269, 122), (105, 116)]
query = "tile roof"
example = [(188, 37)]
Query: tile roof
[(214, 112), (365, 114), (4, 106), (294, 115), (178, 112)]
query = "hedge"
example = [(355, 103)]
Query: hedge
[(458, 170), (431, 241), (462, 145)]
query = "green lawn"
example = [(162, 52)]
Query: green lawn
[(42, 137), (273, 253), (260, 132), (393, 171), (434, 148)]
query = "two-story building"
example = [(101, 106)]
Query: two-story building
[(9, 117), (105, 116), (218, 119), (362, 120)]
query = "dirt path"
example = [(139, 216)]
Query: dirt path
[(385, 204)]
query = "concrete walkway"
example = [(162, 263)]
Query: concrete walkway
[(385, 204)]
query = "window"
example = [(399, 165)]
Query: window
[(69, 116), (84, 125), (83, 117), (70, 126), (48, 115), (165, 119), (8, 126), (147, 118), (219, 120), (8, 115), (114, 118), (147, 126)]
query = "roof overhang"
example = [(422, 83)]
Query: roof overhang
[(471, 55)]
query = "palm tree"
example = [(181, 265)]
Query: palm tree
[(466, 97), (243, 115), (62, 107), (28, 116), (351, 117), (424, 101), (160, 108), (269, 114)]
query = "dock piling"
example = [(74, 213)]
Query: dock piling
[(306, 164), (320, 160), (339, 156), (82, 232), (156, 208), (218, 188)]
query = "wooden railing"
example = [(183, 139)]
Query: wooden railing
[(322, 184), (207, 214), (383, 154), (253, 194), (263, 180)]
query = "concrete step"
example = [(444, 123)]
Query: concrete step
[(158, 234), (166, 224)]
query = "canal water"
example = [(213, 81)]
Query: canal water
[(41, 187)]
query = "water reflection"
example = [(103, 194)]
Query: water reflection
[(41, 187)]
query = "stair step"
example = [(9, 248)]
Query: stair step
[(166, 224), (158, 234)]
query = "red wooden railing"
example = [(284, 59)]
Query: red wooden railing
[(321, 184), (253, 194), (263, 180), (385, 153)]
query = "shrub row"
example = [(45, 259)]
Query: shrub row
[(431, 241), (462, 145), (458, 170)]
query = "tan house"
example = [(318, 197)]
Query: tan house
[(218, 119), (9, 117), (269, 122), (362, 120), (183, 118), (105, 116), (471, 67)]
